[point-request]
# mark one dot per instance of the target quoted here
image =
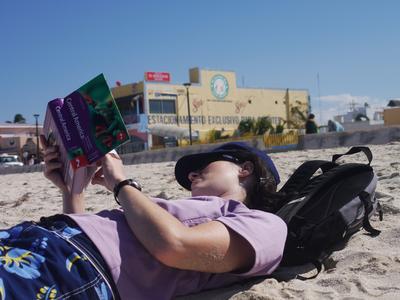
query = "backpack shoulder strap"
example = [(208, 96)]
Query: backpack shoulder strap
[(318, 266), (303, 174), (366, 201), (354, 150), (300, 179)]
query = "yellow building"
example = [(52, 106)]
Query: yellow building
[(155, 108), (391, 116)]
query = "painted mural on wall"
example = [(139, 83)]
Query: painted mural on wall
[(219, 86)]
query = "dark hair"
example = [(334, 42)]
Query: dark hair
[(311, 116), (262, 193)]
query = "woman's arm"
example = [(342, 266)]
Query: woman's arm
[(72, 203), (209, 247)]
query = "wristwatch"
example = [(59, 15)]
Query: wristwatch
[(119, 185)]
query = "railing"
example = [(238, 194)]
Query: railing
[(286, 140)]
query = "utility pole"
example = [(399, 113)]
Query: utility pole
[(187, 85)]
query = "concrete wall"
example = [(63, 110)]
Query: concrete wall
[(23, 169), (361, 126), (160, 155), (173, 154), (339, 139), (309, 141)]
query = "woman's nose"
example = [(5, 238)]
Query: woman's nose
[(193, 175)]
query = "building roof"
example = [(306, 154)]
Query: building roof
[(14, 135), (19, 125), (393, 103)]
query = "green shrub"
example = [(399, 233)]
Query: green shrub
[(263, 125), (246, 126)]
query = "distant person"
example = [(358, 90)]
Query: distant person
[(31, 161), (25, 156), (311, 126), (339, 127), (334, 126)]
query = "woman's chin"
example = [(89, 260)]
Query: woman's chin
[(197, 192)]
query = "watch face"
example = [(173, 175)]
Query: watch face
[(219, 86)]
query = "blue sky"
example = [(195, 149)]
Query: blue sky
[(49, 48)]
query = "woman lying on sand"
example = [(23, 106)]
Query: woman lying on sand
[(151, 248)]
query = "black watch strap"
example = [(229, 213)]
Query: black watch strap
[(119, 185)]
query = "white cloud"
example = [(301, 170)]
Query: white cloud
[(345, 98), (329, 106)]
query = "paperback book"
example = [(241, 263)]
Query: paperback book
[(85, 125)]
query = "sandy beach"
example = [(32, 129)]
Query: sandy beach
[(368, 268)]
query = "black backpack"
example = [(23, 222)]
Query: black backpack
[(323, 211)]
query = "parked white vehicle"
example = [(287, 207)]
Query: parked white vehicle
[(7, 160)]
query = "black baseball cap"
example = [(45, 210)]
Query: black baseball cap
[(236, 152)]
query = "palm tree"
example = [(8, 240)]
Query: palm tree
[(18, 118), (246, 126), (298, 117), (263, 125)]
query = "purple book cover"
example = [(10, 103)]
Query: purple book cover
[(86, 125)]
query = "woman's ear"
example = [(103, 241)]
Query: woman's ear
[(247, 168)]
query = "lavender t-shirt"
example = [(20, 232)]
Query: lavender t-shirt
[(138, 275)]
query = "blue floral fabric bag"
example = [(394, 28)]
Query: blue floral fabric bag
[(39, 263)]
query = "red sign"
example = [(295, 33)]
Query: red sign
[(157, 76)]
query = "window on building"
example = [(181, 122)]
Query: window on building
[(168, 106), (158, 106), (128, 105), (155, 106)]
